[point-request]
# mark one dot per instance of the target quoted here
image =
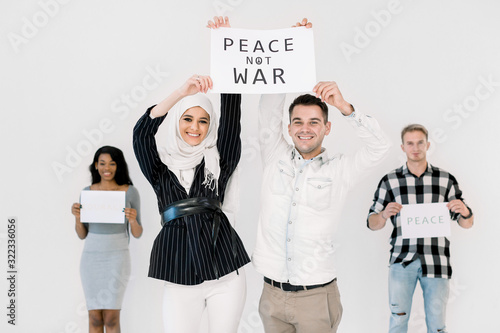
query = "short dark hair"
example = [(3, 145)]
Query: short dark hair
[(308, 99), (121, 175), (414, 127)]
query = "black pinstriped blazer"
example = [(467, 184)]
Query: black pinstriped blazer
[(182, 252)]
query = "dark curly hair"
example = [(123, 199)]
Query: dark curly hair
[(121, 175)]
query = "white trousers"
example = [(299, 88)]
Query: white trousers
[(224, 299)]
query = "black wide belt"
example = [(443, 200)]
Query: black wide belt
[(188, 207), (193, 206), (290, 287)]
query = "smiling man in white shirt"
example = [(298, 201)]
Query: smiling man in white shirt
[(302, 196), (303, 193)]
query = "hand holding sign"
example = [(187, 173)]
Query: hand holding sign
[(131, 214), (304, 23), (196, 84), (458, 206), (193, 85), (218, 22), (391, 209), (329, 92), (75, 210)]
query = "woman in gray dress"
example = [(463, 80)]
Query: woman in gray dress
[(105, 263)]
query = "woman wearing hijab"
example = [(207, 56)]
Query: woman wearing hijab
[(197, 252)]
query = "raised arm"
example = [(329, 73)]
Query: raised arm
[(229, 140), (193, 85), (271, 138), (329, 93), (145, 149), (144, 142), (271, 107), (376, 145)]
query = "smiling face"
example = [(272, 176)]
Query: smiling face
[(193, 125), (308, 129), (106, 167), (415, 145)]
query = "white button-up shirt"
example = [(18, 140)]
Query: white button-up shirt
[(301, 200)]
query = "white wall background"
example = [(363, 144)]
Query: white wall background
[(72, 79)]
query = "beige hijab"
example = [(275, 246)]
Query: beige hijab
[(179, 155)]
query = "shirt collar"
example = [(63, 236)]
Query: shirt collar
[(321, 156), (319, 160), (406, 171)]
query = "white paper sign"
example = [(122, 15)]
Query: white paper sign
[(425, 220), (102, 206), (262, 61)]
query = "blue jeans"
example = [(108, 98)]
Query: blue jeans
[(402, 283)]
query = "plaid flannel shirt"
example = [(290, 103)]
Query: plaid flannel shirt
[(403, 187)]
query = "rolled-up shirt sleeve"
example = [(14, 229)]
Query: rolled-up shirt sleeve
[(455, 194), (381, 199)]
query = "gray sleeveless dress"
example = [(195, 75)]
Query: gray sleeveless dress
[(105, 263)]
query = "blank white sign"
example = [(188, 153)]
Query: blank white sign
[(102, 206)]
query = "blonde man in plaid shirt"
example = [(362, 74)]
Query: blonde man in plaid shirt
[(426, 260)]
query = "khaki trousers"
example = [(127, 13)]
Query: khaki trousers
[(307, 311)]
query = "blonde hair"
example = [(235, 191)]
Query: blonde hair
[(412, 128)]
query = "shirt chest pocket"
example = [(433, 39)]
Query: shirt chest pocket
[(281, 179), (319, 192)]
